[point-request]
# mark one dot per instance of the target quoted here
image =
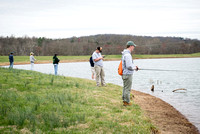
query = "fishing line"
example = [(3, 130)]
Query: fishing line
[(146, 69)]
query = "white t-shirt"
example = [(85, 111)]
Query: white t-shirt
[(96, 55)]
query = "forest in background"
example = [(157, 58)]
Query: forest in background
[(85, 45)]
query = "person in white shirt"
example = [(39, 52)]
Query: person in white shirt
[(98, 66), (32, 60)]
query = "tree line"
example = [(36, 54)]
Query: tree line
[(111, 43)]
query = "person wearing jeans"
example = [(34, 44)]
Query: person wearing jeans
[(56, 68), (55, 63), (11, 59), (98, 66), (32, 60)]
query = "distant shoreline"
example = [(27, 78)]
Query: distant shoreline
[(67, 59)]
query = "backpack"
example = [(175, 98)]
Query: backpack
[(120, 70), (91, 62)]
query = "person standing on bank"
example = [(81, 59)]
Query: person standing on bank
[(128, 69), (98, 66), (11, 59), (32, 60), (55, 63)]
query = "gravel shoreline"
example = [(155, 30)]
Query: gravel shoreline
[(163, 115)]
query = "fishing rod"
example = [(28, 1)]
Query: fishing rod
[(147, 69), (156, 69)]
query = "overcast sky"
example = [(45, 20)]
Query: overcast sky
[(67, 18)]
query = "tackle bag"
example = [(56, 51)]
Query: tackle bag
[(120, 70)]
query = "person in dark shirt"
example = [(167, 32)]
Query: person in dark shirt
[(11, 59), (92, 67), (55, 63)]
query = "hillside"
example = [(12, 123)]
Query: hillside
[(111, 43)]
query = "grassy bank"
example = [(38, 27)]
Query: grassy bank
[(167, 56), (48, 59), (40, 103), (43, 59)]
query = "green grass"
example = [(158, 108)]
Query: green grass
[(40, 59), (26, 59), (167, 56), (32, 102)]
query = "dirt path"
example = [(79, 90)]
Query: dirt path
[(163, 115)]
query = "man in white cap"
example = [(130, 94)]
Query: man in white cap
[(128, 68)]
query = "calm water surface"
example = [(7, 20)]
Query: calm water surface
[(187, 76)]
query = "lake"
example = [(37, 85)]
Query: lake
[(166, 75)]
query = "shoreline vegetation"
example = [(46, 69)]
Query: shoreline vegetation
[(65, 59)]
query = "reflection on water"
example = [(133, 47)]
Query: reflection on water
[(188, 77)]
